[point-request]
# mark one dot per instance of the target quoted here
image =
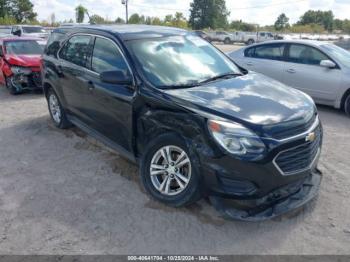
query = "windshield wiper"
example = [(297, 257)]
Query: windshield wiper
[(179, 86), (221, 76)]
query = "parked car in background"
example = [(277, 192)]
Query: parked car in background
[(319, 69), (5, 31), (196, 123), (20, 64), (30, 31), (201, 34), (221, 36), (250, 38)]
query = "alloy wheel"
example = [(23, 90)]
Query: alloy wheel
[(170, 170), (55, 108)]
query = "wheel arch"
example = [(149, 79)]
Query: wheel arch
[(345, 95), (188, 127)]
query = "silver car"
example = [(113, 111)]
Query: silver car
[(320, 69)]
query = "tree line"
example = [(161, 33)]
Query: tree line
[(204, 14)]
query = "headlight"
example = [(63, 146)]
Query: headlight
[(20, 70), (236, 139)]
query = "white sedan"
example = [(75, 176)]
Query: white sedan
[(320, 69)]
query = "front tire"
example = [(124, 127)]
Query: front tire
[(56, 110), (347, 105), (227, 41), (170, 172)]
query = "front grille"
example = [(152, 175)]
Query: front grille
[(289, 129), (299, 158)]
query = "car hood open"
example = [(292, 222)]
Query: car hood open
[(252, 98)]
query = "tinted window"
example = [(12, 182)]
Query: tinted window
[(107, 57), (272, 52), (303, 54), (53, 44), (76, 50), (33, 29), (262, 34), (249, 52), (23, 47)]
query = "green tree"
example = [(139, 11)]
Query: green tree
[(282, 22), (136, 19), (21, 10), (208, 14), (324, 18), (80, 12), (120, 20), (239, 25), (96, 19)]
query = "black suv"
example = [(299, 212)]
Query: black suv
[(197, 124)]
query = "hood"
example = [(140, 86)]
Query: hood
[(37, 35), (24, 60), (251, 99)]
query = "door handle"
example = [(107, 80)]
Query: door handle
[(249, 63), (91, 85), (291, 71)]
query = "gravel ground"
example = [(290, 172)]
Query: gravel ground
[(61, 192)]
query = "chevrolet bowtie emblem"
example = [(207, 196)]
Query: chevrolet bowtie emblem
[(310, 137)]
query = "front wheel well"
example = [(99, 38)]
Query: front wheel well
[(46, 88), (346, 94)]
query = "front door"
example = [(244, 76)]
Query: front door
[(111, 104), (303, 71)]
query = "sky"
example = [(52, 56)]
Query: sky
[(263, 12)]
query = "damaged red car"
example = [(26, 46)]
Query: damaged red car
[(20, 64)]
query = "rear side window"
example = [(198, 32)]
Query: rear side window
[(307, 55), (107, 57), (76, 50), (53, 44), (271, 52), (249, 52)]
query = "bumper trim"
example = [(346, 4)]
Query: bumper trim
[(264, 211)]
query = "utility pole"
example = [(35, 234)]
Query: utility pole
[(125, 2)]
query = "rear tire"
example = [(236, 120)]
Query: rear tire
[(250, 42), (227, 41), (181, 170), (347, 105), (56, 110)]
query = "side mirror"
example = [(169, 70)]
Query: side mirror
[(328, 64), (117, 77), (17, 32)]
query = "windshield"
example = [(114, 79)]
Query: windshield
[(180, 60), (29, 47), (340, 54), (33, 29)]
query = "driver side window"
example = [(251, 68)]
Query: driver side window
[(107, 57)]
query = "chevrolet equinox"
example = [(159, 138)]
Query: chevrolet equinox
[(196, 123)]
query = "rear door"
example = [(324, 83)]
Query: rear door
[(267, 59), (73, 58), (110, 104), (303, 71)]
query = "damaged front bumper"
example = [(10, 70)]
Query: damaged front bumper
[(276, 203), (23, 82)]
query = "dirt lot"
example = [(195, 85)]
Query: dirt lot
[(61, 192)]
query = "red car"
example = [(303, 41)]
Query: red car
[(20, 63)]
